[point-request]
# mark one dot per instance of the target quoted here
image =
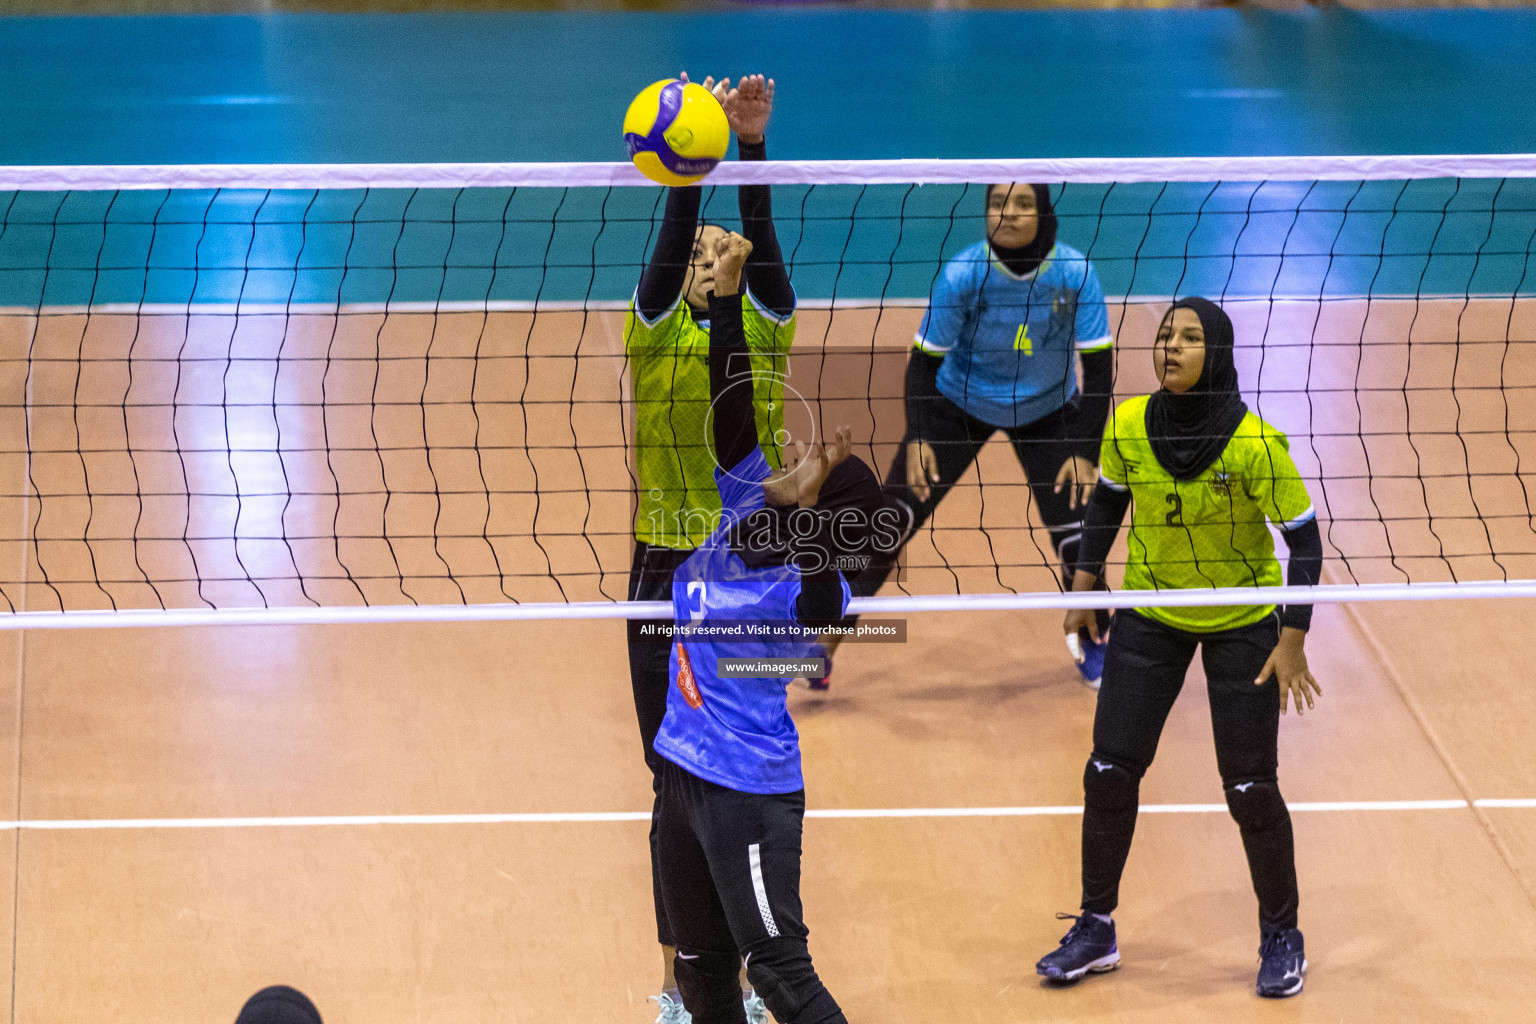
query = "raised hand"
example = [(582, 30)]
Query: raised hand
[(731, 252), (812, 465), (748, 107)]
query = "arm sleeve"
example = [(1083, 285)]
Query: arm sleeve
[(1085, 427), (1305, 569), (922, 388), (821, 598), (767, 280), (1101, 524), (1092, 326), (661, 283), (735, 425)]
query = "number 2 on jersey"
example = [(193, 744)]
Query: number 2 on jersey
[(1175, 510)]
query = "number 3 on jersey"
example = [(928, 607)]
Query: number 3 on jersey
[(696, 594)]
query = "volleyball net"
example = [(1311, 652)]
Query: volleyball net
[(360, 393)]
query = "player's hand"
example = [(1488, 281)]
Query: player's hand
[(1288, 663), (748, 106), (1081, 618), (1078, 475), (922, 469), (731, 252), (814, 464)]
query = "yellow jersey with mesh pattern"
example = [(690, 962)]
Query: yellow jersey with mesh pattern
[(1210, 531), (679, 505)]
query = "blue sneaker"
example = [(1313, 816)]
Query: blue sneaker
[(1088, 947), (1089, 657), (825, 682), (1283, 964), (672, 1010)]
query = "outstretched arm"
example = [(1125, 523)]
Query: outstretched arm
[(664, 276), (735, 422), (748, 107)]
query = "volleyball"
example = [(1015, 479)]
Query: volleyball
[(676, 132)]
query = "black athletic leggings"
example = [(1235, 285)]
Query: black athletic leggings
[(650, 579), (730, 874), (957, 438), (1144, 670)]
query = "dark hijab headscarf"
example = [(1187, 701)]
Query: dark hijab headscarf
[(1027, 259), (279, 1005), (1190, 431), (765, 537)]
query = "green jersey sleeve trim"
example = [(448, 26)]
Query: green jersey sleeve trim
[(651, 325), (768, 314)]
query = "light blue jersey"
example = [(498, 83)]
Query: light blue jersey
[(1008, 342), (735, 733)]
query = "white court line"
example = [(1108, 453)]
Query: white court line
[(1504, 803), (87, 824)]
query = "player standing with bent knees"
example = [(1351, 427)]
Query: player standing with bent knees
[(1207, 478)]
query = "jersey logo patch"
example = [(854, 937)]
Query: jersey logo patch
[(686, 684), (1221, 483)]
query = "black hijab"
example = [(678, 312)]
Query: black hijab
[(1189, 431), (765, 537), (1027, 259), (279, 1005)]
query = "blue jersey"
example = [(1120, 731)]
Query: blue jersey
[(735, 733), (1008, 342)]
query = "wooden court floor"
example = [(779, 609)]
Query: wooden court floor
[(1422, 914)]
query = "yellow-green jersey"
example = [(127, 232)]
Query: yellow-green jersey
[(679, 503), (1210, 531)]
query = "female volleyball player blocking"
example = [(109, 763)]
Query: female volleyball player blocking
[(1007, 323), (732, 801), (666, 339), (1204, 475)]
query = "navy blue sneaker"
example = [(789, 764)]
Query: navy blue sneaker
[(1283, 967), (1088, 947)]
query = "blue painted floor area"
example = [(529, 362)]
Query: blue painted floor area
[(853, 84), (862, 84)]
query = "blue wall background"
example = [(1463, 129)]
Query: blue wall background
[(449, 87)]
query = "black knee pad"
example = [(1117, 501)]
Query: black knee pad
[(709, 984), (1256, 804), (781, 974), (1109, 787)]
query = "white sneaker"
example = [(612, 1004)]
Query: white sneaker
[(757, 1011), (672, 1010)]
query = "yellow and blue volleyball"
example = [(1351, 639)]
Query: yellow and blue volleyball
[(676, 132)]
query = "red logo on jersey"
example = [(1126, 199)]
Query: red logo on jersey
[(685, 681)]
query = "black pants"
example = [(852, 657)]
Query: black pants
[(730, 874), (650, 579), (957, 438), (1143, 672)]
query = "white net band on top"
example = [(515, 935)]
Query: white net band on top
[(340, 393), (778, 172)]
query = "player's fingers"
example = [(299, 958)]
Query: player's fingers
[(1267, 671)]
